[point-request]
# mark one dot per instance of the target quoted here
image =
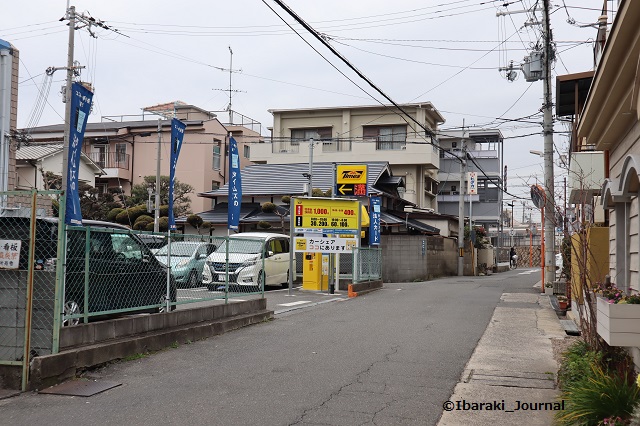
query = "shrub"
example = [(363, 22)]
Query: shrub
[(131, 214), (576, 364), (263, 224), (195, 220), (599, 396), (111, 216)]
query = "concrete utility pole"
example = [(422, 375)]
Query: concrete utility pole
[(310, 189), (547, 129), (71, 13), (461, 215)]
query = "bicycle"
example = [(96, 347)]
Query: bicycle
[(513, 263)]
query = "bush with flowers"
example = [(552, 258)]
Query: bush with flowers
[(615, 295)]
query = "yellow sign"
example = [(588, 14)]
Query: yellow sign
[(328, 216), (301, 244), (351, 174)]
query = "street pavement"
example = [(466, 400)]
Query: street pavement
[(390, 357)]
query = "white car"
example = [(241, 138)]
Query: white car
[(255, 259)]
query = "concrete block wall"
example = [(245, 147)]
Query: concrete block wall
[(417, 257)]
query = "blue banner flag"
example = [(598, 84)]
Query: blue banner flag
[(80, 106), (235, 186), (177, 135), (374, 225)]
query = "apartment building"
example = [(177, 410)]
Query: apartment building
[(361, 134), (483, 149)]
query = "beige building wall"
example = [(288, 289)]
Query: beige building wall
[(417, 161)]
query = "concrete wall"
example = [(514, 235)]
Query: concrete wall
[(404, 259)]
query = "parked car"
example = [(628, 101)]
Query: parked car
[(154, 242), (187, 260), (123, 273), (255, 259)]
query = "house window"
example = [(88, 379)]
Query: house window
[(121, 154), (216, 157), (247, 151), (320, 133), (454, 145), (387, 137)]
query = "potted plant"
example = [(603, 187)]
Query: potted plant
[(563, 302), (618, 316), (548, 289)]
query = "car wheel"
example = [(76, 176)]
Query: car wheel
[(192, 281), (71, 308), (286, 283)]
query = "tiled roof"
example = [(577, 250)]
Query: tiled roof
[(35, 152), (288, 179)]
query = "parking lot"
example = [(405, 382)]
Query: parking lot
[(279, 300)]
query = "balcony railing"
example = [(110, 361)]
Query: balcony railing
[(288, 146), (110, 160)]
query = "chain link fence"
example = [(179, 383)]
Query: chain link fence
[(367, 264), (27, 279)]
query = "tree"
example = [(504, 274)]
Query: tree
[(198, 223), (272, 208), (93, 205), (181, 191)]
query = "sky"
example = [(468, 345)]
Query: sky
[(445, 52)]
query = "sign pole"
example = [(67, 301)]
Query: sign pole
[(291, 244)]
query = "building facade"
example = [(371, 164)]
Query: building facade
[(9, 66), (610, 122), (361, 134), (483, 153), (126, 147)]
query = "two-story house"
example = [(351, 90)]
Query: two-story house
[(483, 150), (361, 134), (126, 147), (610, 122)]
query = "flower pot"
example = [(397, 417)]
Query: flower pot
[(563, 305), (618, 324), (548, 291)]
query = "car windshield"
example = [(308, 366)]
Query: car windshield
[(241, 245), (178, 249)]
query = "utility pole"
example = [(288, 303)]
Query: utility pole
[(547, 129), (461, 214), (71, 15), (310, 189)]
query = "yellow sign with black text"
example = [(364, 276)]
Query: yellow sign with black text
[(351, 174), (327, 216)]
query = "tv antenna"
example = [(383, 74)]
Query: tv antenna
[(230, 90)]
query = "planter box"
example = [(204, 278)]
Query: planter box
[(618, 324)]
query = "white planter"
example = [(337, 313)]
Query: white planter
[(548, 291), (618, 324)]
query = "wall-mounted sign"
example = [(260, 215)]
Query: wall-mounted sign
[(9, 254), (472, 183)]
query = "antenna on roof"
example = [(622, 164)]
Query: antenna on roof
[(230, 89)]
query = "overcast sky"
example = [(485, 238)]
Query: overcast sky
[(445, 52)]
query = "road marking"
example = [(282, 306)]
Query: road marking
[(530, 271), (299, 302)]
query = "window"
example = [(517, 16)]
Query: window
[(121, 154), (454, 145), (387, 137), (216, 157), (320, 133), (247, 151)]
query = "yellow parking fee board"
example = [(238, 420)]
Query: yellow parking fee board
[(327, 216)]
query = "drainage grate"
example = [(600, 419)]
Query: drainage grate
[(514, 379), (80, 388)]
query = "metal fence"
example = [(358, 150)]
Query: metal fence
[(114, 271), (367, 264), (27, 279)]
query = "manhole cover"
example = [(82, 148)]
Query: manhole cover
[(80, 388)]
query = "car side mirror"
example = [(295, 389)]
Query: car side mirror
[(202, 256), (270, 253)]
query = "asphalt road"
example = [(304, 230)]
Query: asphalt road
[(391, 357)]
